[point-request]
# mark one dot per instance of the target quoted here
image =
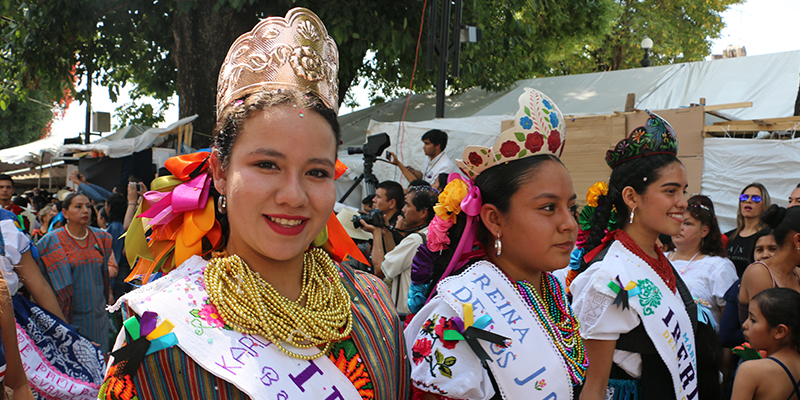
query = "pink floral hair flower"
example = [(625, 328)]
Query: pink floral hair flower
[(211, 316), (437, 233)]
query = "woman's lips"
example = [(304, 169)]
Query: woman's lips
[(566, 246), (288, 225)]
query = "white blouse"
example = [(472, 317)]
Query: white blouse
[(708, 278)]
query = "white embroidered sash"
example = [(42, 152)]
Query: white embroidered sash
[(250, 362), (663, 315), (532, 367)]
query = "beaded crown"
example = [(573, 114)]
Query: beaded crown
[(655, 137), (538, 129), (294, 51)]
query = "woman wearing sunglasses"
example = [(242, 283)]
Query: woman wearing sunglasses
[(753, 200)]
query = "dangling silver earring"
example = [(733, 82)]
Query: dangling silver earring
[(632, 210), (222, 204), (498, 246)]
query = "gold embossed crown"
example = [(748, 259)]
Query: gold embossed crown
[(291, 52), (538, 128)]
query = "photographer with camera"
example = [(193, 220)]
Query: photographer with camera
[(394, 264), (434, 142)]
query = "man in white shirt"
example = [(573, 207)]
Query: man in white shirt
[(436, 162), (394, 262)]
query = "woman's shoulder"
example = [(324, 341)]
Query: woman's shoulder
[(99, 232), (718, 262)]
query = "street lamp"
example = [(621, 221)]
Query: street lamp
[(647, 44)]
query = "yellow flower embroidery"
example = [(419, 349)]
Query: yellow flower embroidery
[(594, 192), (450, 200)]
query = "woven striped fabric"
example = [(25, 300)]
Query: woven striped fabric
[(377, 334), (80, 280)]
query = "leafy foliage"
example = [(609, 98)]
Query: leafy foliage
[(47, 44), (681, 31), (24, 120)]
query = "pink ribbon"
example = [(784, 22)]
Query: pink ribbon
[(470, 205), (187, 196)]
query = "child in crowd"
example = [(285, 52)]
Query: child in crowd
[(774, 327)]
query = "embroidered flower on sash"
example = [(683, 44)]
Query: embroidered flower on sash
[(650, 296), (211, 316), (423, 347)]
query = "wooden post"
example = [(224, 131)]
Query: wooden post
[(630, 101)]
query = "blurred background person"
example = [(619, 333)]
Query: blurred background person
[(753, 200)]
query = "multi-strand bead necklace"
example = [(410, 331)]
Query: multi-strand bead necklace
[(560, 323), (251, 305)]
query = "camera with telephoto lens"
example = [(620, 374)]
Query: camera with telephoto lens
[(374, 218)]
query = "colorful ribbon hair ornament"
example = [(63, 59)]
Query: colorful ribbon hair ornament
[(179, 215), (144, 337), (470, 331), (748, 353)]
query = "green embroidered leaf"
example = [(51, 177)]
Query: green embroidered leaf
[(546, 111), (195, 313), (445, 371), (471, 173), (520, 136), (439, 356), (527, 111), (522, 153), (497, 157), (449, 361), (483, 151)]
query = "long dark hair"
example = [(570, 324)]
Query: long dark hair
[(639, 174), (497, 184), (701, 208)]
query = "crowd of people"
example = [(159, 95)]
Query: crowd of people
[(228, 277)]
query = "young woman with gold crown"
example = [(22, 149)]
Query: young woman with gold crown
[(637, 316), (271, 315), (498, 326)]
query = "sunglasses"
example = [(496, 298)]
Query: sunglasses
[(756, 198)]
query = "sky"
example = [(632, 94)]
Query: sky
[(762, 26)]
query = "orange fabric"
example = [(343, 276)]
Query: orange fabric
[(341, 244), (340, 169), (182, 166)]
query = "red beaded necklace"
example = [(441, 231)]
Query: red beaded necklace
[(661, 265)]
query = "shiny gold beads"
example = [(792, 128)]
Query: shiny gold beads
[(320, 316)]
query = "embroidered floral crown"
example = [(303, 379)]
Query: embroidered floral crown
[(538, 129), (281, 53), (655, 137)]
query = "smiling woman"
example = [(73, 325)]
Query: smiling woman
[(270, 303), (625, 289)]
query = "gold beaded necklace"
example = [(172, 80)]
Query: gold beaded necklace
[(252, 306)]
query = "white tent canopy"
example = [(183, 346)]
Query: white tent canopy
[(770, 81), (119, 145)]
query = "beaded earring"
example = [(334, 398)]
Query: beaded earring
[(632, 210), (222, 204), (498, 246)]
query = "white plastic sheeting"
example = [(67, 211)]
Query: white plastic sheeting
[(125, 147), (731, 164), (770, 81)]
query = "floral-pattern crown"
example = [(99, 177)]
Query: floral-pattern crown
[(655, 137), (281, 53), (538, 129)]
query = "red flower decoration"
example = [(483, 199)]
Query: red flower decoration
[(509, 149), (443, 325), (421, 349), (553, 141), (534, 142), (475, 159)]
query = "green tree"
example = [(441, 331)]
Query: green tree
[(681, 31), (177, 46), (25, 120)]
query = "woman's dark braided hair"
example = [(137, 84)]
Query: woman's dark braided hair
[(637, 173)]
